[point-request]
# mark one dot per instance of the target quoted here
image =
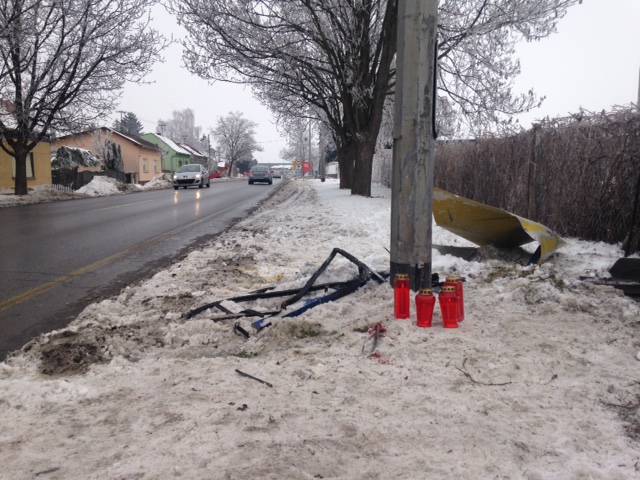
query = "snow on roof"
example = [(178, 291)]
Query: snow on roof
[(172, 145), (192, 150), (138, 141), (131, 139)]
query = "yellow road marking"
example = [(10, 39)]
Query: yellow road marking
[(124, 205), (61, 280)]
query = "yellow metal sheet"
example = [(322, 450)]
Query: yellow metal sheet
[(486, 225)]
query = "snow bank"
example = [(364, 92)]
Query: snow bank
[(158, 183), (40, 194), (100, 186), (539, 382)]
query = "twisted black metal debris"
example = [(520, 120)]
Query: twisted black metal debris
[(338, 290)]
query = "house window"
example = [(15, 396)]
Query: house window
[(30, 167), (155, 166), (145, 166)]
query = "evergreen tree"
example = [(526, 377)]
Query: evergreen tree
[(128, 125)]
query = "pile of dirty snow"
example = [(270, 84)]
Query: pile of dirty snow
[(540, 381), (40, 194), (100, 186), (158, 183)]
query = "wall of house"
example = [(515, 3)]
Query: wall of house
[(171, 160), (41, 164), (150, 165), (133, 156)]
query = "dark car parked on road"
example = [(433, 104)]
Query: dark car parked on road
[(259, 173)]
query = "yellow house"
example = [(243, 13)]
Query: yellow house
[(38, 167)]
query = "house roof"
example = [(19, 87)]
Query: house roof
[(193, 151), (141, 142), (172, 145)]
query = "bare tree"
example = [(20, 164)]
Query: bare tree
[(62, 64), (234, 135), (294, 130), (331, 60), (182, 127), (303, 56), (477, 62)]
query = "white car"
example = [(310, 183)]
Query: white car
[(192, 175)]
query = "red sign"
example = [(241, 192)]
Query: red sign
[(307, 167)]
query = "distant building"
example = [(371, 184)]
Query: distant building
[(174, 156), (332, 170)]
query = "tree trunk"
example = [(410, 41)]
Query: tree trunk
[(229, 172), (21, 171), (361, 184), (346, 160)]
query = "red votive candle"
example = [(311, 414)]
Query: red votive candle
[(456, 282), (402, 296), (425, 302), (449, 307)]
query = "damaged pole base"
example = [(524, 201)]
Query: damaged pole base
[(420, 275)]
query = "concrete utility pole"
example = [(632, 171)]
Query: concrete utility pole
[(322, 151), (414, 141), (638, 104), (209, 160), (309, 141), (301, 146)]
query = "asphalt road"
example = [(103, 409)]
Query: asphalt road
[(55, 258)]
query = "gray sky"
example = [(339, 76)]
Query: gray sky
[(592, 61)]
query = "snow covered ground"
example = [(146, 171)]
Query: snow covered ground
[(99, 186), (158, 183), (540, 382), (40, 194)]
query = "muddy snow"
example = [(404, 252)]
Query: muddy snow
[(100, 186), (540, 381), (40, 194)]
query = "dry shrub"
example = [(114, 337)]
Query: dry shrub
[(578, 175)]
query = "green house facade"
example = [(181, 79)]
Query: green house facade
[(173, 155)]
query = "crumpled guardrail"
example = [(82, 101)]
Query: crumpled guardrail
[(486, 225)]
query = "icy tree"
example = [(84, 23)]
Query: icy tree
[(335, 57), (181, 128), (71, 157), (302, 56), (62, 64), (128, 125), (244, 165), (235, 136), (477, 62), (296, 132)]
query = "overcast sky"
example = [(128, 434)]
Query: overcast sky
[(593, 61)]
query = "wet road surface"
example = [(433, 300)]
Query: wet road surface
[(55, 258)]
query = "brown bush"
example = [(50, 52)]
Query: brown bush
[(578, 175)]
